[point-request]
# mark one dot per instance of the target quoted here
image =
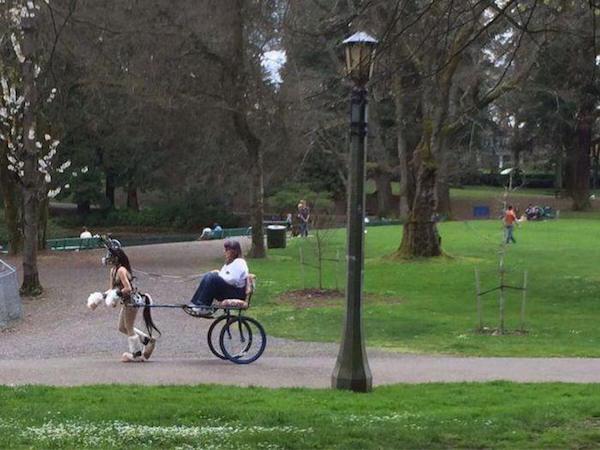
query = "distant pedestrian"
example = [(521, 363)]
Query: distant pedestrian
[(288, 222), (303, 217), (217, 231), (85, 234), (510, 218), (206, 234)]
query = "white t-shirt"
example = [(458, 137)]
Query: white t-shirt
[(85, 235), (235, 273)]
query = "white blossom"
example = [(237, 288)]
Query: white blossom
[(48, 178), (47, 137), (64, 166), (17, 48), (31, 134), (54, 192), (84, 169), (51, 96)]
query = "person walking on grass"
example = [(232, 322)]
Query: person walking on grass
[(303, 217), (510, 218)]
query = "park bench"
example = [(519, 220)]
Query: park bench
[(73, 244), (231, 232)]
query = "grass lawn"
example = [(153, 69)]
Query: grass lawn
[(491, 415), (497, 191), (476, 191), (430, 305)]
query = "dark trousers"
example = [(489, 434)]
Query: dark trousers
[(303, 228), (212, 286), (508, 234)]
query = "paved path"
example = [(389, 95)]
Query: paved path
[(61, 342), (274, 371)]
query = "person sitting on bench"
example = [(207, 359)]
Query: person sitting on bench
[(229, 282)]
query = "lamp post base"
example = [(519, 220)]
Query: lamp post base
[(352, 384), (352, 371)]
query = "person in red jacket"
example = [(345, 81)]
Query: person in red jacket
[(510, 218)]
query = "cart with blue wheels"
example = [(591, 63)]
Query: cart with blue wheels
[(233, 336)]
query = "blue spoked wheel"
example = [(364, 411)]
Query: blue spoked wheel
[(214, 334), (242, 340)]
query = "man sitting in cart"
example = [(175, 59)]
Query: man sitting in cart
[(229, 282)]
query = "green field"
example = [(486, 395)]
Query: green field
[(491, 415), (423, 306), (430, 305), (474, 191)]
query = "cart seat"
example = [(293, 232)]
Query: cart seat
[(236, 303)]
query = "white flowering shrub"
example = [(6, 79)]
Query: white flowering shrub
[(13, 106)]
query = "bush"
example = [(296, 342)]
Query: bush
[(531, 180), (287, 198), (187, 212)]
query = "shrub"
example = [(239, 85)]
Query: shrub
[(187, 212), (286, 199)]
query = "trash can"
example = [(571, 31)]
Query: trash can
[(481, 212), (276, 236)]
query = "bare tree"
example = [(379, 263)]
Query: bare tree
[(432, 44)]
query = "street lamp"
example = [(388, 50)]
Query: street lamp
[(352, 368)]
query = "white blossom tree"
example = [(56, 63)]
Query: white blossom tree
[(29, 149)]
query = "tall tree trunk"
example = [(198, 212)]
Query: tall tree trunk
[(239, 106), (12, 206), (420, 237), (442, 187), (110, 187), (132, 197), (257, 208), (383, 183), (31, 177), (579, 176), (83, 207), (43, 223), (558, 168), (595, 165), (404, 154)]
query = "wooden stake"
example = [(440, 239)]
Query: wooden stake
[(302, 267), (335, 271), (523, 300), (478, 290), (502, 296)]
